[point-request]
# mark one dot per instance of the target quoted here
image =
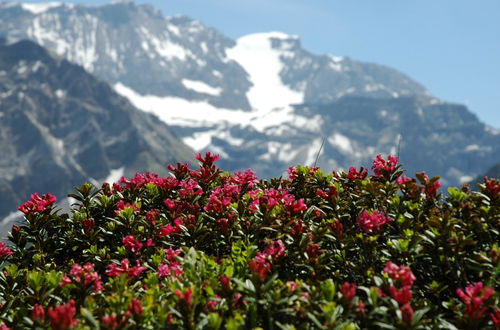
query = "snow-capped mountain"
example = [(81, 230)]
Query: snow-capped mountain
[(261, 101), (60, 127)]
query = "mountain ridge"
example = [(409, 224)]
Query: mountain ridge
[(62, 127), (262, 98)]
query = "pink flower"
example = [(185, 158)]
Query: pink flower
[(381, 167), (132, 244), (474, 299), (62, 317), (348, 291), (370, 222), (5, 250), (293, 205), (407, 313), (85, 275), (403, 179), (37, 203), (247, 178), (172, 254), (163, 270)]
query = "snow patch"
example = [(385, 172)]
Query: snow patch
[(115, 175), (38, 8), (178, 111), (201, 87), (268, 90), (465, 178), (472, 147), (60, 93)]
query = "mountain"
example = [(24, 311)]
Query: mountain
[(60, 126), (492, 172), (262, 101)]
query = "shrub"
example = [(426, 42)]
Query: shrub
[(207, 249)]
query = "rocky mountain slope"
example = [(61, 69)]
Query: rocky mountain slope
[(261, 101), (60, 127)]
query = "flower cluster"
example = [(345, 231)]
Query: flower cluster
[(475, 299), (203, 248), (382, 167), (261, 263), (37, 203), (400, 288), (372, 221), (83, 275)]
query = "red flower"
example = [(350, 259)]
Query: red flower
[(38, 312), (132, 244), (88, 225), (298, 228), (275, 250), (208, 160), (407, 313), (400, 274), (357, 175), (121, 206), (259, 266), (403, 295), (186, 296), (381, 167), (85, 275), (115, 270), (337, 227), (348, 291), (370, 222), (62, 317), (225, 282), (495, 317), (313, 250), (212, 303), (474, 298), (5, 250), (37, 203), (492, 186), (135, 307), (152, 216)]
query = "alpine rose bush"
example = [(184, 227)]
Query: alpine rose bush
[(206, 249)]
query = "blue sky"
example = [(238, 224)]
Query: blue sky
[(452, 47)]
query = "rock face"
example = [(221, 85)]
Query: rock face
[(261, 101), (60, 127)]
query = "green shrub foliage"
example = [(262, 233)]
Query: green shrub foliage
[(205, 249)]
